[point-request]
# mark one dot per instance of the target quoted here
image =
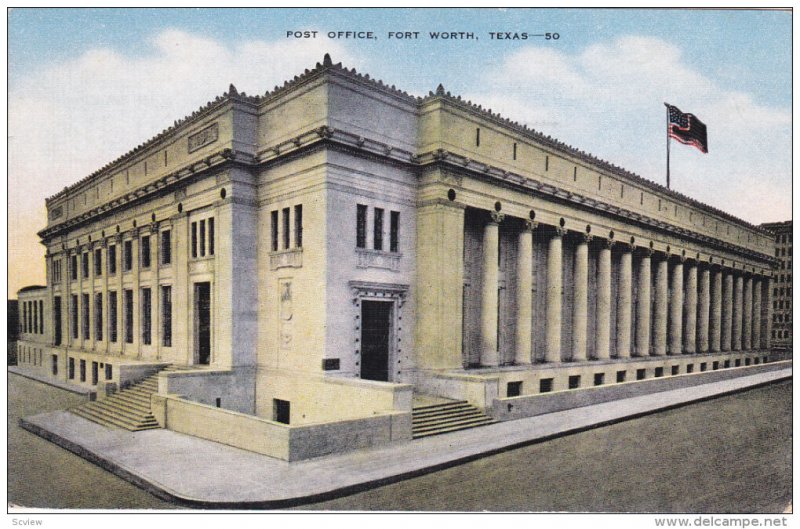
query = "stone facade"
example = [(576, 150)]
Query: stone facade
[(782, 289), (318, 253)]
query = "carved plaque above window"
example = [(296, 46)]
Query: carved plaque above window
[(56, 213), (378, 259), (206, 136)]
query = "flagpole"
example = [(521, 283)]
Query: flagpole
[(667, 109)]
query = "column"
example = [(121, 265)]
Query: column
[(738, 306), (181, 298), (489, 286), (660, 315), (92, 307), (79, 304), (106, 308), (67, 302), (137, 294), (690, 312), (524, 294), (766, 338), (603, 328), (676, 310), (120, 296), (757, 285), (703, 315), (747, 323), (643, 306), (715, 322), (625, 302), (580, 299), (554, 288), (155, 261), (727, 311)]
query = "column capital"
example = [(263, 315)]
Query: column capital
[(154, 227), (118, 238), (559, 231), (531, 225), (645, 251), (586, 238), (496, 217), (103, 243)]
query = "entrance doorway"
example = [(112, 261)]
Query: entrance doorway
[(376, 330), (202, 317)]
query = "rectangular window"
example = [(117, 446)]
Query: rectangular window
[(477, 137), (377, 233), (146, 315), (545, 385), (85, 264), (94, 373), (659, 372), (298, 226), (599, 379), (676, 370), (112, 259), (166, 247), (54, 364), (394, 231), (128, 301), (98, 316), (73, 316), (71, 368), (145, 251), (281, 411), (621, 376), (109, 371), (166, 316), (57, 320), (574, 381), (40, 315), (690, 368), (112, 316), (514, 389), (274, 228), (727, 364), (83, 370), (194, 239), (73, 267), (127, 256), (715, 366), (286, 224), (703, 366), (361, 226), (85, 315), (98, 262), (641, 374), (211, 236), (202, 238)]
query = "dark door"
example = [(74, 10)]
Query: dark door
[(376, 317), (202, 297)]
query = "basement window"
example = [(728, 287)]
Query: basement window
[(747, 361), (676, 370), (641, 374), (738, 362), (545, 385), (514, 389), (621, 376), (690, 368), (599, 379), (659, 372), (715, 366), (727, 364), (280, 411), (574, 381), (703, 366)]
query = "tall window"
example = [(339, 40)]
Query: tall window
[(98, 316), (202, 237), (194, 239), (73, 267), (41, 315), (394, 231), (57, 320), (73, 316), (211, 236), (298, 226), (111, 257), (166, 247), (127, 256), (274, 228), (112, 316), (98, 262), (56, 270), (166, 316), (85, 264), (361, 226), (145, 251), (128, 301), (85, 315), (285, 214), (377, 240), (146, 316)]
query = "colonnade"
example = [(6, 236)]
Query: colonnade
[(681, 305)]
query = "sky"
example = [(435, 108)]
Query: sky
[(87, 85)]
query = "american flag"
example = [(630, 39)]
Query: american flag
[(686, 128)]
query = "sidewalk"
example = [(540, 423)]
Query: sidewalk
[(199, 473)]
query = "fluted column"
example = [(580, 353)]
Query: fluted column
[(554, 288), (625, 302), (524, 294), (727, 311), (738, 309), (660, 312), (675, 338), (766, 339), (690, 310), (703, 313), (747, 323), (643, 306), (715, 322), (580, 298), (757, 285), (603, 328), (489, 297)]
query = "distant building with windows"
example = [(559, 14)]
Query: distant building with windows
[(337, 263), (782, 290)]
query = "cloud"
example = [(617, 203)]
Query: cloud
[(68, 119), (607, 99)]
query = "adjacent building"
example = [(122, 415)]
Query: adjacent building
[(310, 261), (782, 291)]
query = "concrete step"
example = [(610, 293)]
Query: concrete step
[(449, 424), (104, 418), (448, 417), (134, 398), (419, 435), (439, 413), (440, 406), (123, 408)]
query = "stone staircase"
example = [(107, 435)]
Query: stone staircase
[(434, 419), (128, 409)]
